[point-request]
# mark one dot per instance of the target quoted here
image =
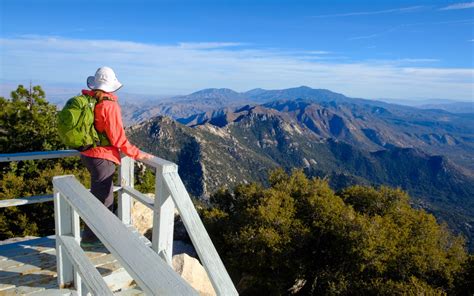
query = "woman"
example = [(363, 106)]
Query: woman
[(100, 161)]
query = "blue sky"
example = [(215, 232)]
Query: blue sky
[(371, 49)]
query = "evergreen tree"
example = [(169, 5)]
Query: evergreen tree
[(299, 236), (28, 123)]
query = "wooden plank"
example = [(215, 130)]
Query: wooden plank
[(157, 162), (4, 265), (151, 273), (124, 199), (46, 260), (25, 200), (56, 292), (145, 200), (21, 252), (89, 274), (63, 217), (163, 217), (6, 286), (23, 290), (109, 268), (28, 264), (118, 280), (32, 199), (22, 270), (145, 240), (130, 292), (102, 260), (5, 157), (41, 241), (27, 248), (41, 278), (76, 236), (220, 279)]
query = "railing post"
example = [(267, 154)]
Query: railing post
[(124, 200), (163, 216), (67, 223)]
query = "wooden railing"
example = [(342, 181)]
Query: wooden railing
[(169, 192), (71, 202)]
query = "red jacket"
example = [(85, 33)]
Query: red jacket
[(108, 119)]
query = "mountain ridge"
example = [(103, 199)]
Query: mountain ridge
[(210, 157), (370, 127)]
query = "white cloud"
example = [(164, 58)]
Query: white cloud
[(173, 69), (394, 10), (459, 6)]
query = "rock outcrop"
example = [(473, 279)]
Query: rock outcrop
[(192, 271)]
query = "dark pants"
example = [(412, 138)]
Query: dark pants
[(102, 174)]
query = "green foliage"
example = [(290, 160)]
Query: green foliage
[(299, 236), (35, 219), (144, 178), (28, 123)]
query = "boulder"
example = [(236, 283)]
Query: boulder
[(194, 273), (142, 216), (142, 220)]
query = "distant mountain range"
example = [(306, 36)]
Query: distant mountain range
[(429, 153), (211, 99), (454, 107), (371, 124), (440, 104)]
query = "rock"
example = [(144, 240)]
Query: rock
[(194, 273), (142, 217), (16, 240)]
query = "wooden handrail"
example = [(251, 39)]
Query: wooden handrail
[(6, 157), (169, 191), (151, 273), (28, 200), (91, 276), (216, 270)]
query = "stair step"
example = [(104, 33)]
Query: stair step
[(56, 292), (134, 291)]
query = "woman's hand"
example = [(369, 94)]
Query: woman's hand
[(144, 155)]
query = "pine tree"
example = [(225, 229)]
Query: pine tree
[(299, 236)]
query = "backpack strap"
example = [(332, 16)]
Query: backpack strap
[(104, 99), (103, 139)]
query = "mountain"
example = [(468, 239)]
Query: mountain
[(220, 137), (368, 127), (454, 107), (202, 101), (465, 106), (260, 138), (302, 92), (208, 100)]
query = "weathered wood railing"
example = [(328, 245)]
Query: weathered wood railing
[(152, 273), (169, 192)]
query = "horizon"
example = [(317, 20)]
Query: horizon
[(55, 94), (398, 51)]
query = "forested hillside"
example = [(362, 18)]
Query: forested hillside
[(298, 236)]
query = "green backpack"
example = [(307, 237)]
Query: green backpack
[(76, 124)]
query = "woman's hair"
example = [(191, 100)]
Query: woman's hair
[(100, 94)]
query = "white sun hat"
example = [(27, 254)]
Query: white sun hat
[(104, 79)]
